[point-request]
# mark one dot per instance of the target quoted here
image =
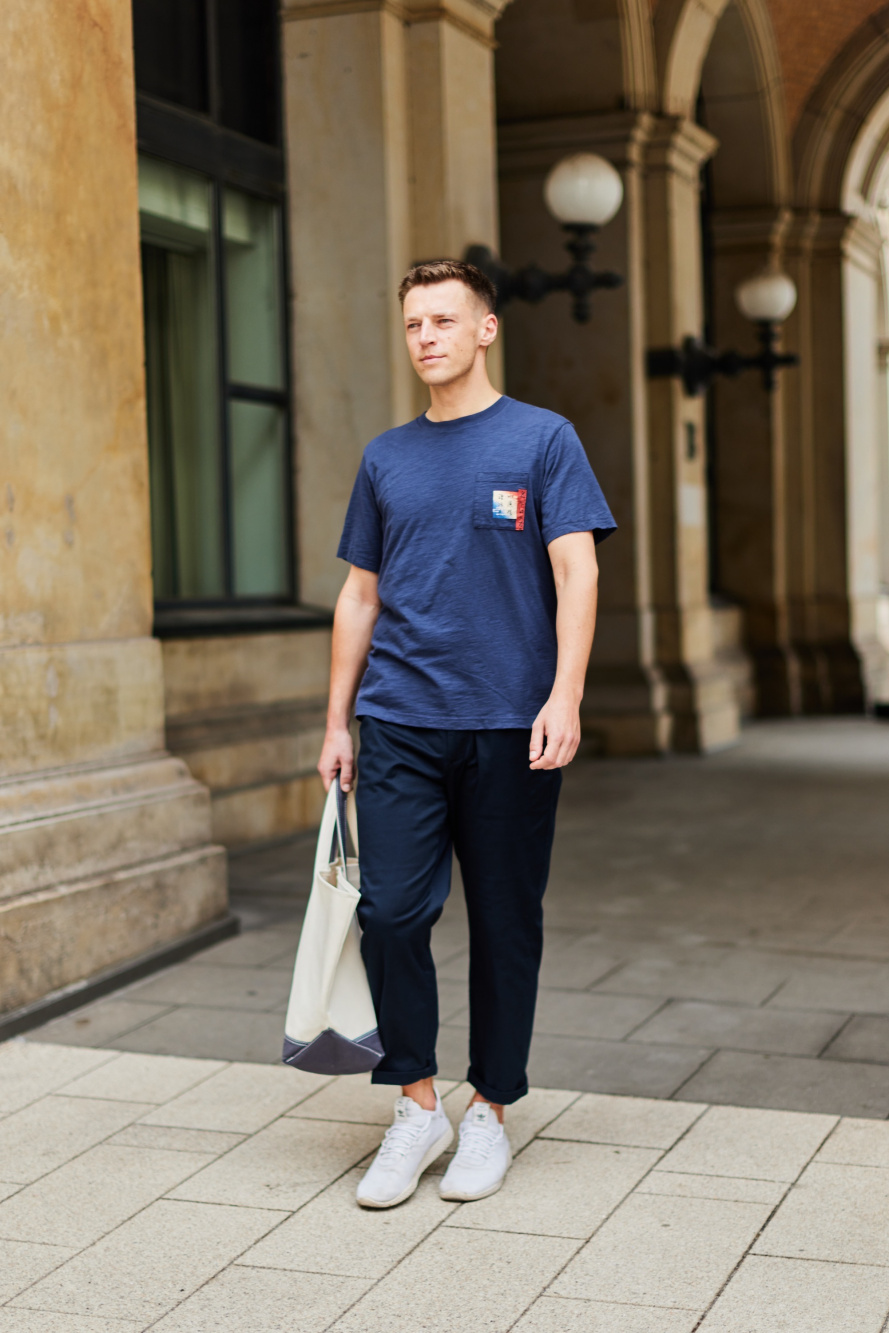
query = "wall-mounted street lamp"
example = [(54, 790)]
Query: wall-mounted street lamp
[(766, 299), (583, 192)]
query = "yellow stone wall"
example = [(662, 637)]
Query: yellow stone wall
[(75, 558), (96, 823)]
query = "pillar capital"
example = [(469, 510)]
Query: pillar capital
[(862, 243), (528, 147), (750, 230), (680, 146), (476, 18)]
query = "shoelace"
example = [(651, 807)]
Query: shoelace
[(476, 1144), (398, 1141)]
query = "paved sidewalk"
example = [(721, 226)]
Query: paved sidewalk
[(717, 930), (200, 1196)]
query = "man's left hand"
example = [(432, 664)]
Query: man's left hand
[(558, 725)]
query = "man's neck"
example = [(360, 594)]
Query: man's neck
[(463, 398)]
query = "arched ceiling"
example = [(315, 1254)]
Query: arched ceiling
[(733, 107), (724, 52), (836, 118)]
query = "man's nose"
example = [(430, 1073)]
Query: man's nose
[(427, 331)]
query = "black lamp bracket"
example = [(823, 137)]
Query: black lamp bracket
[(697, 365), (533, 283)]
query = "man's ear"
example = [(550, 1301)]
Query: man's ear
[(489, 330)]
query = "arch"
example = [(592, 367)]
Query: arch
[(865, 180), (841, 153), (864, 195), (838, 113), (731, 44), (570, 57)]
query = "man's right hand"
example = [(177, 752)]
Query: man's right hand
[(337, 755)]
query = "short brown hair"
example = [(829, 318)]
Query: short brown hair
[(433, 271)]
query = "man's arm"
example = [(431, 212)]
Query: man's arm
[(576, 574), (357, 608)]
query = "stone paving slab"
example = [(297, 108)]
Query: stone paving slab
[(211, 1212), (784, 1082), (196, 1031), (783, 1294), (98, 1023), (862, 1039), (745, 1028), (558, 1315)]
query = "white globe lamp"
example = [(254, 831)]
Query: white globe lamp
[(767, 298), (583, 190)]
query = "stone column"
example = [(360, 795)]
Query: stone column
[(866, 425), (104, 839), (453, 154), (702, 694), (595, 375), (749, 471), (818, 420), (390, 143)]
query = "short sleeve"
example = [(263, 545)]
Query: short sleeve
[(572, 499), (362, 540)]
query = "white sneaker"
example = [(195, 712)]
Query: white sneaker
[(482, 1159), (412, 1142)]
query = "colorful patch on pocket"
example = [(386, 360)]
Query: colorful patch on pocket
[(510, 505)]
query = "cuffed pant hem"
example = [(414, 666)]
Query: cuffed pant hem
[(495, 1095), (401, 1078)]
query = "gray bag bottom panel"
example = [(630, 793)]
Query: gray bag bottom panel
[(332, 1053)]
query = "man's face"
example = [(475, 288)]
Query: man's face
[(446, 324)]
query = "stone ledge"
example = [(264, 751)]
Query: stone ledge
[(64, 934), (63, 828), (114, 978)]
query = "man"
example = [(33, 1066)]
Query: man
[(467, 620)]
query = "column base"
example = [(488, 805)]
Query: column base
[(100, 864), (705, 705), (625, 711), (777, 681), (58, 936), (831, 677)]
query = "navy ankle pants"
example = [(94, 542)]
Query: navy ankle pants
[(422, 793)]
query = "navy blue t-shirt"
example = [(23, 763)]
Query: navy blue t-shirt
[(455, 517)]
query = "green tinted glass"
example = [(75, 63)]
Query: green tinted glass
[(175, 208), (259, 481), (250, 229)]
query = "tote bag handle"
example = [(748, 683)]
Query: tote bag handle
[(332, 833)]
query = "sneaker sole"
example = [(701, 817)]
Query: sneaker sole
[(435, 1151), (460, 1196)]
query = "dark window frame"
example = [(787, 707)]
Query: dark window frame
[(196, 140)]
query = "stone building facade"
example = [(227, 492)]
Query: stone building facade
[(180, 423)]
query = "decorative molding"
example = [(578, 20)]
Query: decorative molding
[(817, 235), (759, 230), (638, 54), (474, 18), (680, 145), (862, 245), (531, 147)]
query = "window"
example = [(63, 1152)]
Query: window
[(213, 56), (211, 213), (170, 40)]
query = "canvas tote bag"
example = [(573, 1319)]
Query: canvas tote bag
[(331, 1027)]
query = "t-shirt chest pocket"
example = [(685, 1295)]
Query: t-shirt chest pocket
[(501, 500)]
